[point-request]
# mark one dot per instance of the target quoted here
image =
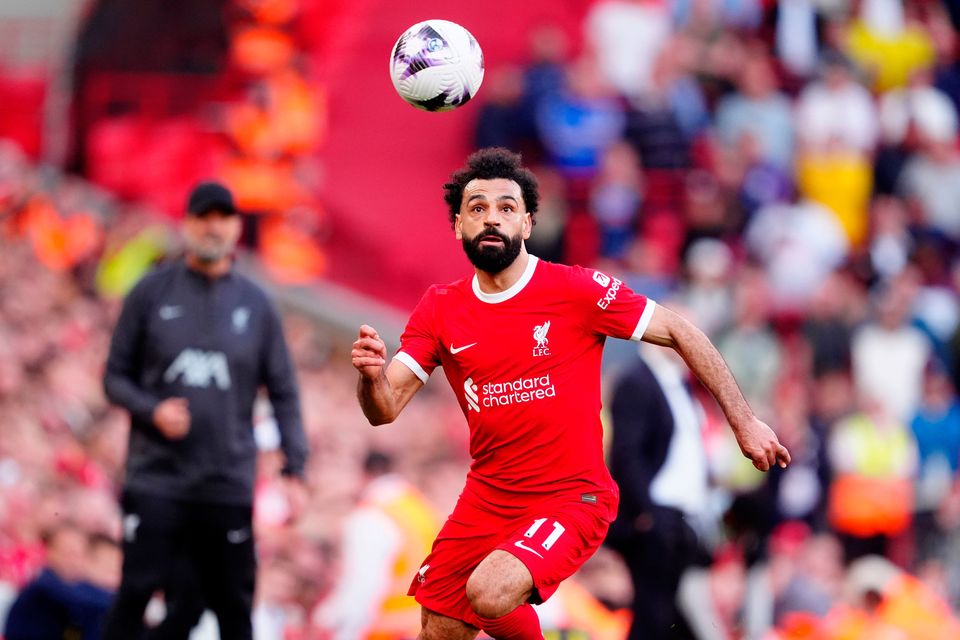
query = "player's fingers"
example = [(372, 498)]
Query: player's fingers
[(366, 331), (783, 455), (761, 463), (367, 359), (365, 352), (371, 343)]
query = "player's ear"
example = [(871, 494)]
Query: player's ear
[(527, 225), (457, 231)]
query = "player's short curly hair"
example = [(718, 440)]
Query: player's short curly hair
[(490, 164)]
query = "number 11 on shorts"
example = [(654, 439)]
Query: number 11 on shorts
[(552, 538)]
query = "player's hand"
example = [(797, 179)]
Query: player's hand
[(759, 443), (172, 418), (369, 353)]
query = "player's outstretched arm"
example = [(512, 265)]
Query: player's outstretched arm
[(383, 391), (757, 440)]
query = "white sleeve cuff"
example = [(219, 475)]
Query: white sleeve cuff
[(645, 318), (414, 366)]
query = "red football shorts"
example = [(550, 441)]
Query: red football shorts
[(552, 539)]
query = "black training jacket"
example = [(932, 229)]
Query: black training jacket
[(214, 342)]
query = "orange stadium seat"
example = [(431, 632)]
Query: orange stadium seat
[(60, 243), (263, 185), (291, 255), (257, 49)]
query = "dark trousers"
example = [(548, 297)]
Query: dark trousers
[(200, 554), (657, 558)]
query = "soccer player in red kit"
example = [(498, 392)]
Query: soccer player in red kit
[(521, 342)]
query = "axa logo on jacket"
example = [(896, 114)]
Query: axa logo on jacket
[(199, 368)]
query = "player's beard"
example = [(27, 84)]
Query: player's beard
[(492, 259)]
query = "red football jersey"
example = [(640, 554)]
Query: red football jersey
[(525, 367)]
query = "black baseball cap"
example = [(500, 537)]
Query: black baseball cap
[(210, 196)]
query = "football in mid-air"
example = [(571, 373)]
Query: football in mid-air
[(436, 65)]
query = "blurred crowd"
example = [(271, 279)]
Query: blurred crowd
[(235, 98), (62, 446), (803, 134), (784, 173)]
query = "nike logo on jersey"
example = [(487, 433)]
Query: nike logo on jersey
[(169, 312), (455, 350), (519, 543)]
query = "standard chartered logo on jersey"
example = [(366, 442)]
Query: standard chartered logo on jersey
[(200, 369), (502, 394)]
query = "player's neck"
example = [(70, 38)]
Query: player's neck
[(495, 283)]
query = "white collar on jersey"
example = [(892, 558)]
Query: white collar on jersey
[(506, 294)]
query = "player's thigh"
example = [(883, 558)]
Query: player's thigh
[(499, 584), (439, 627)]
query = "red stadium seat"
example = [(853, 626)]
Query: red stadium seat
[(21, 110)]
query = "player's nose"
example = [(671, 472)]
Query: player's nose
[(491, 217)]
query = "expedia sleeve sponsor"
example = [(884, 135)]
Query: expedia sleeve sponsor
[(611, 307), (601, 279), (611, 293)]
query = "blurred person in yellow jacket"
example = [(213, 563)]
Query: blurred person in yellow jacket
[(385, 538), (841, 180), (873, 457)]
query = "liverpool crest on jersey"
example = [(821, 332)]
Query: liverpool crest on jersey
[(540, 335)]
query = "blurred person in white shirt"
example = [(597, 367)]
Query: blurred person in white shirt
[(626, 36), (837, 110), (889, 354)]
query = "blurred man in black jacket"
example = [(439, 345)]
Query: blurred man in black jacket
[(194, 343)]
